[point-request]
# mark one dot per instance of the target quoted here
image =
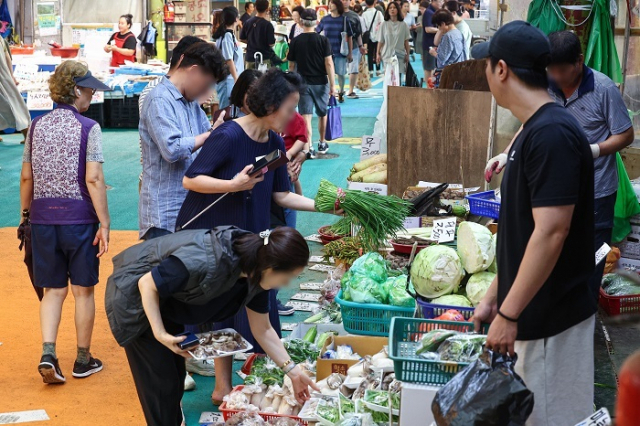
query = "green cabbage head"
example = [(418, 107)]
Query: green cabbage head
[(452, 300), (475, 247), (436, 271), (478, 285)]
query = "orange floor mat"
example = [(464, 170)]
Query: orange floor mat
[(107, 398)]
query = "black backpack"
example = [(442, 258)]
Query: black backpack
[(354, 21), (366, 36)]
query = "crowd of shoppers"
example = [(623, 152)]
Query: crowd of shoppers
[(225, 39)]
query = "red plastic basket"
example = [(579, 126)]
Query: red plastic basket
[(228, 413), (617, 305)]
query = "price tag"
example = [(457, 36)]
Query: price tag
[(26, 72), (208, 417), (444, 230), (602, 253), (306, 297), (376, 188), (311, 286), (303, 306), (287, 326), (98, 98), (599, 418), (411, 222), (314, 238), (39, 101), (370, 147), (322, 268), (320, 259)]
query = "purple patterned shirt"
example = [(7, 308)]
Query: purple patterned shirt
[(59, 145)]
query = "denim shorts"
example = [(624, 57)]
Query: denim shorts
[(314, 95), (354, 65), (63, 253), (340, 64), (428, 61)]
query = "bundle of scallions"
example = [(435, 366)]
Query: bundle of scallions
[(378, 216)]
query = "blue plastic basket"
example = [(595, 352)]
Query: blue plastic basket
[(484, 204), (369, 319), (433, 310)]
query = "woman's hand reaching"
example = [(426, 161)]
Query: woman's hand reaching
[(301, 383)]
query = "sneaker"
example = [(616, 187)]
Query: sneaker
[(80, 371), (189, 383), (352, 95), (312, 154), (285, 310), (50, 371), (323, 148), (341, 97), (202, 367)]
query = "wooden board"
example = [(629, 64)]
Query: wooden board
[(433, 134), (467, 75)]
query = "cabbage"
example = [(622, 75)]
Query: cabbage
[(436, 271), (452, 300), (366, 290), (371, 265), (398, 295), (478, 285), (475, 247), (494, 266)]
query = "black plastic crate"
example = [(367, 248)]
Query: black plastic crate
[(95, 112), (123, 113)]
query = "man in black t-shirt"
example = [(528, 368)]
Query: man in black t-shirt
[(249, 8), (259, 36), (540, 305), (310, 52)]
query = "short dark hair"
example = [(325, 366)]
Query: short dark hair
[(382, 5), (442, 16), (182, 46), (357, 8), (298, 9), (242, 85), (287, 251), (262, 5), (452, 6), (129, 18), (268, 93), (208, 57), (370, 2), (534, 78), (425, 4), (387, 17), (339, 6), (247, 5), (565, 48)]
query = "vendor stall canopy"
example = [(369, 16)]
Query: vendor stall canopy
[(100, 11), (590, 19)]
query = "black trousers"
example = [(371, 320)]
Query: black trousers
[(159, 376), (372, 49)]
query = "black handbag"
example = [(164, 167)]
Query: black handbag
[(366, 36)]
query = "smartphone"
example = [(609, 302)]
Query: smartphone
[(271, 161), (190, 342)]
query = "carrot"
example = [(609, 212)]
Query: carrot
[(378, 177), (357, 177), (381, 158)]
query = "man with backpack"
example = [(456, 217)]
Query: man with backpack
[(358, 47), (373, 21)]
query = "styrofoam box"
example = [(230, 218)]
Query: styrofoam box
[(415, 404), (632, 264), (630, 246), (301, 329)]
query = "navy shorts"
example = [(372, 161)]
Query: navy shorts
[(63, 253)]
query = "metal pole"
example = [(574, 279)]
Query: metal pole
[(625, 50)]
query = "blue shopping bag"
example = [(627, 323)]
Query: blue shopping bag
[(334, 120)]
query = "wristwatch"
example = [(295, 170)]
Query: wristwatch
[(307, 153), (25, 213)]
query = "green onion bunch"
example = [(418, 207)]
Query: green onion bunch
[(378, 216)]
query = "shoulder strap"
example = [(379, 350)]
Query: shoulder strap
[(344, 27), (373, 20)]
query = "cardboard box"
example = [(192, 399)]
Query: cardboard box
[(362, 345), (301, 329), (415, 404)]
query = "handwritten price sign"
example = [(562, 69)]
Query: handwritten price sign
[(444, 230), (370, 147), (39, 101)]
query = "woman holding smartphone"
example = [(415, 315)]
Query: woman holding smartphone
[(192, 277)]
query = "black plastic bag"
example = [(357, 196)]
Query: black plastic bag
[(487, 392)]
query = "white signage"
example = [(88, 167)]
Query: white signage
[(444, 230), (376, 188), (26, 72), (370, 147), (39, 101)]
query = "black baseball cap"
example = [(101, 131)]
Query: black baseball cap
[(91, 82), (519, 44), (309, 15)]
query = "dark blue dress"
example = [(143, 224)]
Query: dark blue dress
[(225, 153)]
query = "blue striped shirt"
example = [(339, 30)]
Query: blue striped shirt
[(332, 28), (601, 112), (168, 127)]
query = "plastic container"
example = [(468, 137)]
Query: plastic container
[(617, 305), (484, 204), (325, 237), (369, 319), (406, 248), (22, 50), (219, 353), (65, 52), (228, 413), (433, 310), (123, 113), (404, 338)]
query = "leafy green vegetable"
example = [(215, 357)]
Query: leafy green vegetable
[(618, 285), (266, 370), (398, 295), (346, 405), (432, 340), (452, 300), (478, 285), (300, 350), (381, 398), (462, 347), (370, 265), (436, 271), (328, 411)]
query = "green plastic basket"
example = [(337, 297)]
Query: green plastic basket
[(404, 338), (369, 319)]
